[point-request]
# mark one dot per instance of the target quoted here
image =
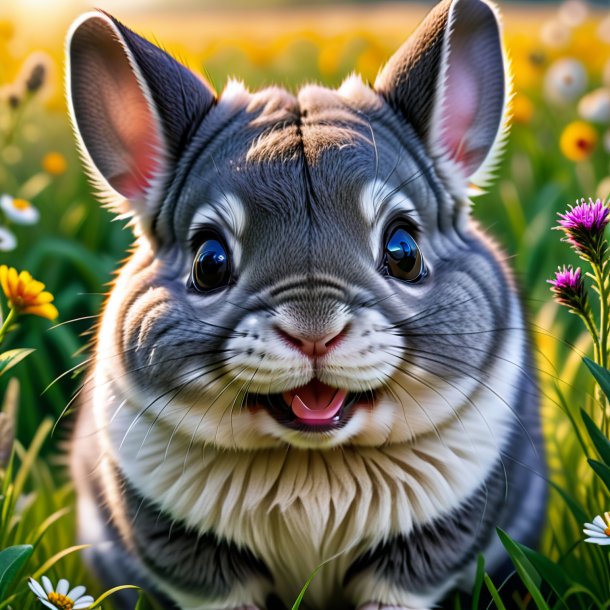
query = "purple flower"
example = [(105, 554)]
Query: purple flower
[(590, 217), (569, 287), (584, 227)]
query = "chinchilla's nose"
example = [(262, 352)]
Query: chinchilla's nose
[(312, 347)]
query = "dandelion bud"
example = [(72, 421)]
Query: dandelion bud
[(8, 416), (568, 288), (7, 436), (13, 101), (36, 79)]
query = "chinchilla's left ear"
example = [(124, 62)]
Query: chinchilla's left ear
[(133, 107), (449, 81)]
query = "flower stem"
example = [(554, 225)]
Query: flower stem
[(601, 356), (8, 321), (600, 280)]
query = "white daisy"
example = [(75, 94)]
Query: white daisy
[(8, 241), (565, 81), (599, 530), (60, 597), (555, 34), (19, 211), (595, 106), (573, 13)]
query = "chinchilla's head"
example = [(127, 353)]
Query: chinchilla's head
[(306, 270)]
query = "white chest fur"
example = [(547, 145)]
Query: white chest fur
[(295, 508)]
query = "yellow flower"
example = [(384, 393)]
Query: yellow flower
[(54, 163), (522, 108), (25, 294), (578, 141)]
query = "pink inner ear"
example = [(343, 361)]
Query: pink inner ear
[(460, 106), (133, 119)]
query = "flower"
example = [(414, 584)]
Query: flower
[(568, 288), (589, 217), (565, 81), (19, 211), (60, 598), (573, 13), (522, 109), (34, 72), (555, 34), (54, 163), (8, 241), (595, 106), (599, 530), (25, 294), (578, 141), (584, 227)]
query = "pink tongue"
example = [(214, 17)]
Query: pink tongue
[(315, 400)]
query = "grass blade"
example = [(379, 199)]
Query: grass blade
[(602, 375), (478, 582), (599, 440), (12, 560), (494, 593), (602, 471), (49, 563), (528, 574), (110, 592)]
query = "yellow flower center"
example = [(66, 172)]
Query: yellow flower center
[(61, 601), (21, 204), (54, 163)]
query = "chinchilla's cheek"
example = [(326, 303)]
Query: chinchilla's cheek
[(312, 352)]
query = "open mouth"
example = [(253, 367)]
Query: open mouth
[(315, 407)]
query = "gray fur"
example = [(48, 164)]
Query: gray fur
[(214, 501)]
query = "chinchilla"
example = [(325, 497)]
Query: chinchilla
[(313, 352)]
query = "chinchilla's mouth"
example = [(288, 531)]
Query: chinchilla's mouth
[(315, 407)]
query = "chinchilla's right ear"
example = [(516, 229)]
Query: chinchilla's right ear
[(134, 109), (449, 80)]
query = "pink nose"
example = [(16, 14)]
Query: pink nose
[(313, 347)]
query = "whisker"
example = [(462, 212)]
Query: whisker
[(426, 356)]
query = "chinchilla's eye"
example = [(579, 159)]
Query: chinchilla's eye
[(402, 258), (211, 267)]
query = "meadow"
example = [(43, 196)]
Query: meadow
[(558, 152)]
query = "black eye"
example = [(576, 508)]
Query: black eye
[(402, 257), (211, 267)]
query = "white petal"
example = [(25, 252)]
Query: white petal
[(48, 604), (6, 201), (595, 533), (600, 523), (62, 586), (83, 602), (8, 241), (36, 588), (48, 587), (77, 592), (600, 541)]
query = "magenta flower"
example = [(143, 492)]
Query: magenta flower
[(591, 217), (569, 288), (584, 226)]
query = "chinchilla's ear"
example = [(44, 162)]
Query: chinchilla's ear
[(133, 107), (449, 81)]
